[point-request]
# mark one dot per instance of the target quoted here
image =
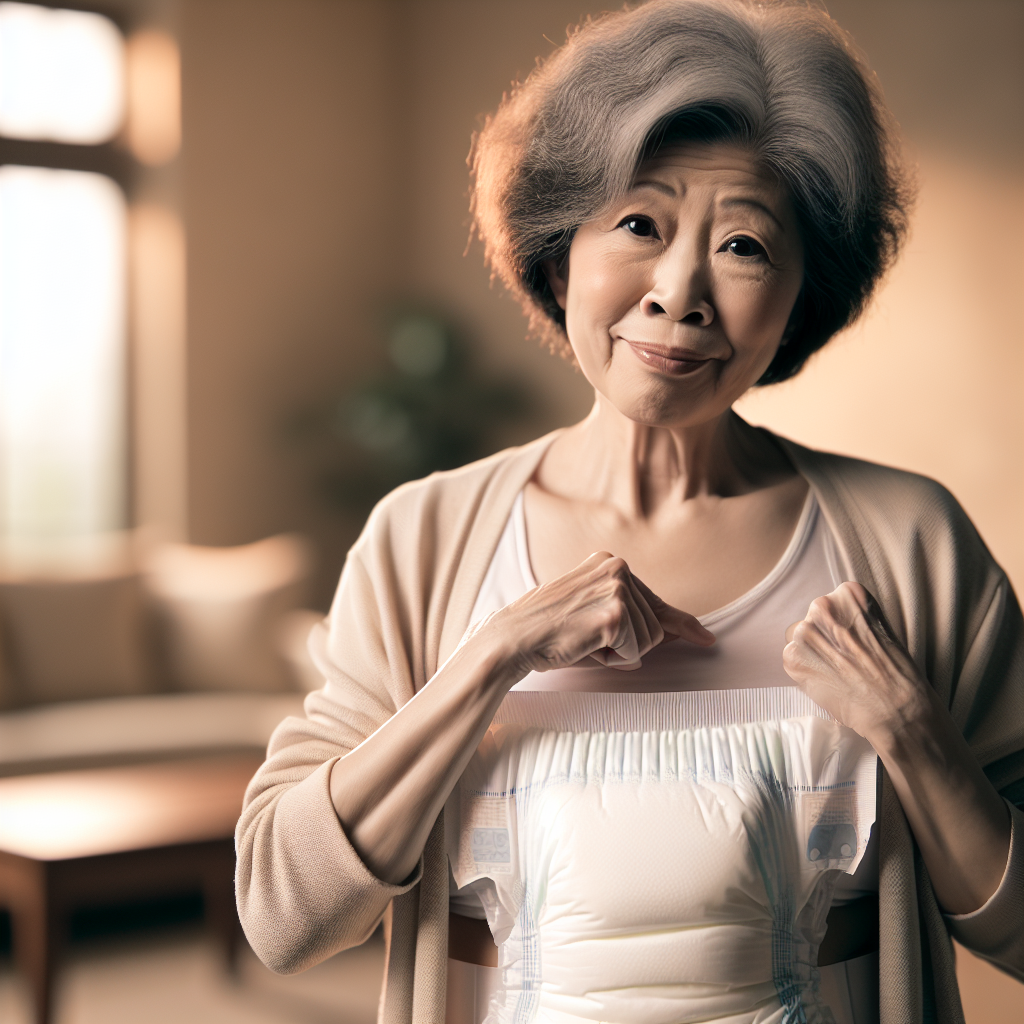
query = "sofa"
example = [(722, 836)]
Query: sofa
[(121, 650)]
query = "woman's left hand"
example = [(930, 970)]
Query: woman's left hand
[(847, 659)]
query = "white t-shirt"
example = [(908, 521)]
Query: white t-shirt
[(750, 636)]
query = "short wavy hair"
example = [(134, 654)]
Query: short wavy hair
[(780, 78)]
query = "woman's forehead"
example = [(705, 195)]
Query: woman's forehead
[(709, 163)]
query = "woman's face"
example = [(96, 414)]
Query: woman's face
[(676, 299)]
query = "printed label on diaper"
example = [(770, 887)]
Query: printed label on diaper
[(828, 826), (491, 846), (485, 846)]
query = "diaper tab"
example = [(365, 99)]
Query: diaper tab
[(828, 824), (485, 836)]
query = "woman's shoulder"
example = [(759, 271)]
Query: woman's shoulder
[(451, 499), (898, 529), (888, 496)]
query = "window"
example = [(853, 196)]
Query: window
[(68, 161), (61, 75), (62, 272)]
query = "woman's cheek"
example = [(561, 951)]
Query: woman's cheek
[(753, 316), (600, 300)]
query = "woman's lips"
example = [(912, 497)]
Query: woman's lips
[(677, 362)]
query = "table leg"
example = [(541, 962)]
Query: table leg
[(220, 912), (35, 927)]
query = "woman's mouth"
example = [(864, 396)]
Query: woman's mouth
[(678, 362)]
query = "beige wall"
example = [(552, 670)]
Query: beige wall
[(932, 379), (324, 171), (290, 160)]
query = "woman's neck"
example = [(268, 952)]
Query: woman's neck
[(638, 469)]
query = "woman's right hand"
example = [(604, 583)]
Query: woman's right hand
[(389, 790), (598, 610)]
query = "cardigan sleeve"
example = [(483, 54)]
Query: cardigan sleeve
[(302, 891), (994, 931), (403, 600), (988, 704)]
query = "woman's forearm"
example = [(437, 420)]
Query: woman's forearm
[(960, 822), (389, 790)]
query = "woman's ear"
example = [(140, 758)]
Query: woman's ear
[(557, 273)]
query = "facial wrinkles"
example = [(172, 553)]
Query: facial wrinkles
[(679, 289), (686, 269)]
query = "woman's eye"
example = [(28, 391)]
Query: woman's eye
[(745, 247), (642, 227)]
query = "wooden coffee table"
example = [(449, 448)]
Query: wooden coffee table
[(78, 838)]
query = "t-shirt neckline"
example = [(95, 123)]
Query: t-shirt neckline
[(797, 543)]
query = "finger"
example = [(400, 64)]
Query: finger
[(619, 635), (878, 619), (626, 650), (594, 560), (632, 638), (607, 658), (649, 631), (634, 605), (861, 614), (621, 651), (832, 616), (806, 651), (684, 626), (675, 623)]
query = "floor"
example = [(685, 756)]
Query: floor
[(173, 976)]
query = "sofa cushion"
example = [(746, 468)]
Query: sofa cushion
[(293, 642), (221, 608), (73, 638), (153, 727)]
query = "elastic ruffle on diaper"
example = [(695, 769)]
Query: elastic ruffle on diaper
[(657, 858)]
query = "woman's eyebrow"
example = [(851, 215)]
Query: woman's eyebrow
[(658, 186), (743, 201)]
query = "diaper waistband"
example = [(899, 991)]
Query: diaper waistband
[(574, 711)]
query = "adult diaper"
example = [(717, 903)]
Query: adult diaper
[(660, 858)]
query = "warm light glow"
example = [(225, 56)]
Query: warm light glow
[(61, 75), (62, 269), (158, 346), (58, 815), (154, 97)]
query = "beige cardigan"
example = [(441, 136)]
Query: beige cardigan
[(403, 603)]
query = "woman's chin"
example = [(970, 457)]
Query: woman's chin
[(655, 401)]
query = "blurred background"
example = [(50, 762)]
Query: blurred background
[(236, 306)]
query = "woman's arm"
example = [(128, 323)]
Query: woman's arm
[(389, 790), (846, 658)]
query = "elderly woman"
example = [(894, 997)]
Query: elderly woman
[(562, 709)]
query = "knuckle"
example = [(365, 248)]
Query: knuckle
[(617, 567)]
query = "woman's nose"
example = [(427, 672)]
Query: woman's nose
[(679, 292)]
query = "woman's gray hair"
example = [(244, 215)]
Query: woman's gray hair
[(780, 78)]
